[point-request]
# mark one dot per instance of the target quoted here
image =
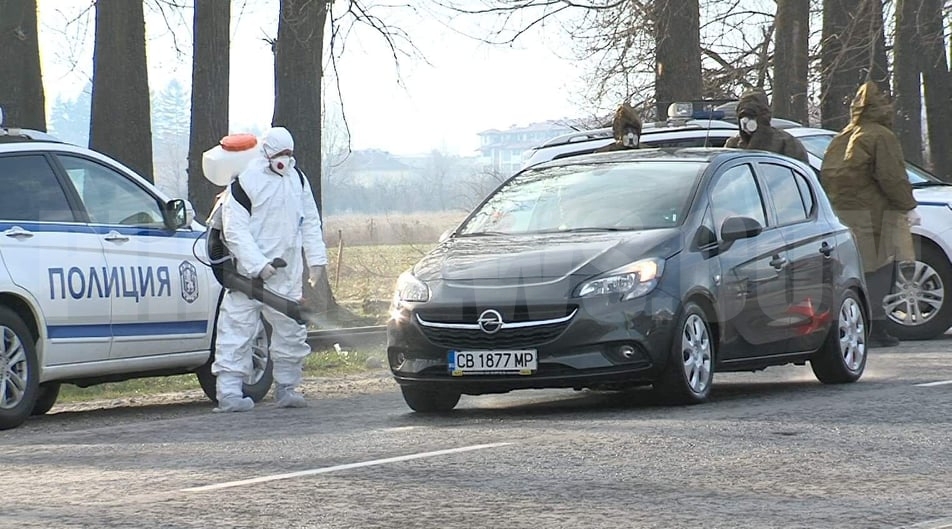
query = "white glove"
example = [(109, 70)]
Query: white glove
[(913, 218), (315, 275), (267, 272)]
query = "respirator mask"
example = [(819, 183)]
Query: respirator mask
[(630, 138), (748, 124), (282, 162)]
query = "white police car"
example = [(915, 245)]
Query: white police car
[(920, 305), (98, 278)]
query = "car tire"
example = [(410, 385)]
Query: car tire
[(689, 374), (17, 357), (429, 401), (46, 398), (930, 281), (262, 377), (842, 358)]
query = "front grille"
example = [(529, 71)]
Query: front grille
[(518, 314), (518, 338)]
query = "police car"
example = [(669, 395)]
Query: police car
[(920, 305), (100, 280)]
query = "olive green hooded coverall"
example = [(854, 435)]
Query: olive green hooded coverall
[(864, 175), (766, 137)]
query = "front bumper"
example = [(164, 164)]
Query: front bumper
[(587, 351)]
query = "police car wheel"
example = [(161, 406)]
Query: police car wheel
[(46, 398), (19, 370)]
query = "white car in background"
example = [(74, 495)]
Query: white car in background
[(920, 305)]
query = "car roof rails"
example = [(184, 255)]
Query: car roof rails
[(13, 134)]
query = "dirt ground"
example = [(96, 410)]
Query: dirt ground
[(375, 381)]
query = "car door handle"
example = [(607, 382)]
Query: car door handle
[(115, 236), (17, 233), (778, 262), (826, 249)]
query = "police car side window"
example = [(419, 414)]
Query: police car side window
[(30, 190), (110, 197)]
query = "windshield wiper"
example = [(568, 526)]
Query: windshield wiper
[(589, 229), (929, 183), (482, 234)]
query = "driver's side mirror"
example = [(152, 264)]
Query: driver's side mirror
[(177, 214), (735, 228)]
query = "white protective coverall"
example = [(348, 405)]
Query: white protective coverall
[(283, 219)]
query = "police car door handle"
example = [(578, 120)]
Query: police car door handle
[(18, 233), (115, 236)]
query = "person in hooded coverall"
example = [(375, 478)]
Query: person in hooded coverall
[(283, 219), (753, 113), (864, 175), (626, 129)]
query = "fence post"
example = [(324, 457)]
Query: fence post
[(340, 256)]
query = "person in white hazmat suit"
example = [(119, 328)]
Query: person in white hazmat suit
[(283, 219)]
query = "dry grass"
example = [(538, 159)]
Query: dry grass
[(364, 230)]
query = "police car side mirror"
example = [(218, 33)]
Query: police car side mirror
[(176, 214)]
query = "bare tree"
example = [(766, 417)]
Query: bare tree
[(210, 70), (908, 95), (677, 52), (21, 83), (791, 60), (120, 125), (853, 51), (937, 86)]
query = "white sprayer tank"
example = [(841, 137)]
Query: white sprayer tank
[(223, 162)]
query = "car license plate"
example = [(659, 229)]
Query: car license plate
[(521, 362)]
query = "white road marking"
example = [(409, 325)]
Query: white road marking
[(931, 384), (347, 466), (940, 523)]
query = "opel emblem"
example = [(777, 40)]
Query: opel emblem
[(490, 321)]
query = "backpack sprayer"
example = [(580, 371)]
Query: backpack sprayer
[(221, 165)]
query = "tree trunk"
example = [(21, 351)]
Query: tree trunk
[(298, 60), (677, 53), (853, 52), (210, 71), (121, 125), (908, 96), (21, 82), (937, 86), (791, 58)]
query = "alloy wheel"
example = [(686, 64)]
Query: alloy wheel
[(14, 370), (696, 353), (852, 331), (917, 296)]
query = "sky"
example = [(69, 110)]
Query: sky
[(464, 86)]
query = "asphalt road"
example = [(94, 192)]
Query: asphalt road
[(774, 449)]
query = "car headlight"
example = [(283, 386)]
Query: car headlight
[(628, 282), (409, 288)]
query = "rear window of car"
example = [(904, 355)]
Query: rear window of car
[(630, 195), (818, 143)]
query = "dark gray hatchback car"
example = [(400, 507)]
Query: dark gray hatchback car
[(647, 267)]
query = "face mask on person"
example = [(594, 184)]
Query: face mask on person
[(748, 125), (630, 139), (281, 163)]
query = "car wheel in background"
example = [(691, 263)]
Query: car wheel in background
[(19, 370), (429, 401), (920, 305), (46, 398), (689, 373), (259, 383), (842, 358)]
